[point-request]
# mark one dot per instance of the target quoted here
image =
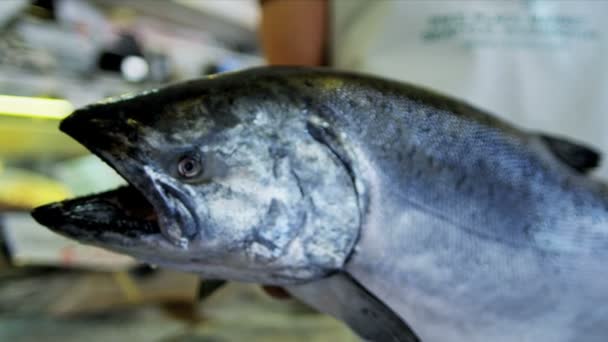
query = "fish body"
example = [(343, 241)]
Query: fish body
[(407, 214)]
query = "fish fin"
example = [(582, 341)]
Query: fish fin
[(207, 287), (579, 157), (342, 297)]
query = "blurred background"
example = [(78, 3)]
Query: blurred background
[(56, 55), (538, 64)]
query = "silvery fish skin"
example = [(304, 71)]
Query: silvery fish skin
[(464, 226)]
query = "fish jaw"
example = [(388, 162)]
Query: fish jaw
[(116, 217), (121, 220)]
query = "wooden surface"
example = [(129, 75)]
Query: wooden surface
[(76, 306)]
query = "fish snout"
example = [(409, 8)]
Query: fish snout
[(100, 128)]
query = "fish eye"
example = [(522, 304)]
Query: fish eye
[(189, 166)]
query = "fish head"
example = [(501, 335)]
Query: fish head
[(224, 181)]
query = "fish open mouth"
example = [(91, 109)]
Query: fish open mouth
[(124, 211), (150, 204)]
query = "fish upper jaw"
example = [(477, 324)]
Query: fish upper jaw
[(114, 138)]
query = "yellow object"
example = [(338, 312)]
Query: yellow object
[(128, 287), (23, 189), (35, 107), (32, 139)]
